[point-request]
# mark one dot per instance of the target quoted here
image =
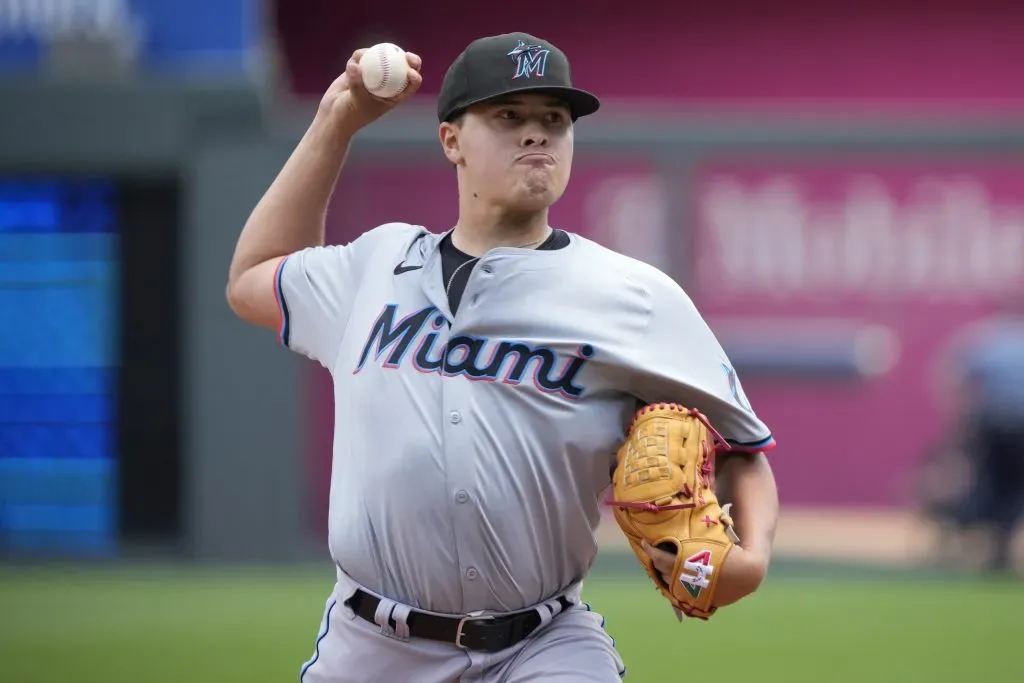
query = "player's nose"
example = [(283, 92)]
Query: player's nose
[(535, 136)]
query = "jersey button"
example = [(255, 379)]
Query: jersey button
[(455, 417), (487, 269), (471, 573), (461, 497)]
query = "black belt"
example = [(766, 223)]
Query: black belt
[(482, 634)]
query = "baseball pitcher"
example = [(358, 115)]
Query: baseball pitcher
[(497, 383)]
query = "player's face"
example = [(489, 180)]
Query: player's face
[(514, 151)]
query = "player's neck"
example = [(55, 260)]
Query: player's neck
[(476, 235)]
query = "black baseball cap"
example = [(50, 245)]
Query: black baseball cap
[(510, 63)]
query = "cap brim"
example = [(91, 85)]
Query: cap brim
[(580, 102)]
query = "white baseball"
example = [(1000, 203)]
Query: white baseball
[(385, 70)]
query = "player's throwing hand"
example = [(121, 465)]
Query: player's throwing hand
[(351, 105)]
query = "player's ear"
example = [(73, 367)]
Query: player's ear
[(449, 136)]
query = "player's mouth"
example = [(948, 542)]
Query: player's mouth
[(536, 159)]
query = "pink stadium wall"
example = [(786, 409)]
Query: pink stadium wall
[(744, 51)]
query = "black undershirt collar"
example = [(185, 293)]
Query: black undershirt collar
[(452, 258)]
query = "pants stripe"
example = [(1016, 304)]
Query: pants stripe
[(622, 674), (323, 634)]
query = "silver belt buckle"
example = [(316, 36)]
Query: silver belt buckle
[(462, 622)]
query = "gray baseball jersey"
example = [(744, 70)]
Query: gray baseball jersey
[(472, 452)]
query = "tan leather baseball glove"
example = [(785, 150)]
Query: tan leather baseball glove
[(663, 493)]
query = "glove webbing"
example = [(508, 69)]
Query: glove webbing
[(705, 467)]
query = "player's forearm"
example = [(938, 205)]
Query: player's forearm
[(292, 213), (747, 481)]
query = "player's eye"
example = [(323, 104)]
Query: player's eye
[(555, 117), (507, 114)]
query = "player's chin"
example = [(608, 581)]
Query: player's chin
[(528, 203), (534, 194)]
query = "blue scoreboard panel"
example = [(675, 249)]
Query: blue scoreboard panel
[(59, 334)]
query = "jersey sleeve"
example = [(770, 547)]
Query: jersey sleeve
[(314, 289), (679, 359)]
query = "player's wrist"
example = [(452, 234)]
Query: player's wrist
[(742, 575), (337, 123), (757, 560)]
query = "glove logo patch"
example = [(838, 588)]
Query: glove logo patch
[(700, 570)]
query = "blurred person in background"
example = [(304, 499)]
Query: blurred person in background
[(986, 362)]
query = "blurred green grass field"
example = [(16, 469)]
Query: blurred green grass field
[(164, 625)]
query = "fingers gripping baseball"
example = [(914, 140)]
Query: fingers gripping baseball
[(349, 96)]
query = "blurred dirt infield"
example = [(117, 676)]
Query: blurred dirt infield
[(854, 535)]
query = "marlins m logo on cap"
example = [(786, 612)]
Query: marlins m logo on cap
[(530, 60)]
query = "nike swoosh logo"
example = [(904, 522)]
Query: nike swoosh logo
[(400, 268)]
